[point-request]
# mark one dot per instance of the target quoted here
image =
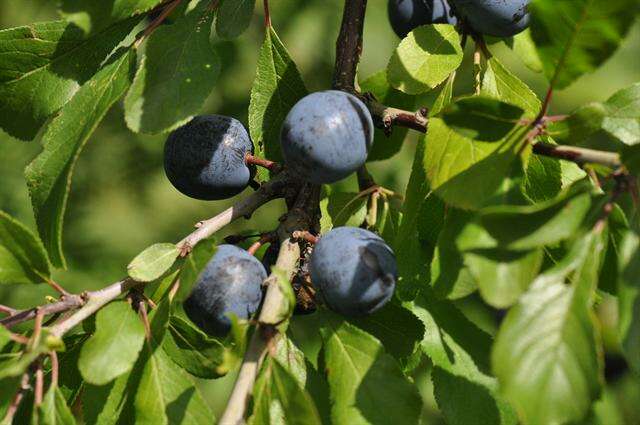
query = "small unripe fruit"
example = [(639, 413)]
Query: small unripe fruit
[(354, 271), (500, 18), (230, 283), (326, 136), (405, 15), (205, 158)]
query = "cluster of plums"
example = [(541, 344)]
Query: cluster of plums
[(325, 137), (499, 18), (353, 270)]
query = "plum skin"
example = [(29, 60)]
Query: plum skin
[(499, 18), (230, 283), (354, 271), (405, 15), (326, 136), (205, 158)]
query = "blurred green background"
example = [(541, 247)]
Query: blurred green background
[(121, 201)]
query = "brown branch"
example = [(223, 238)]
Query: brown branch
[(386, 117), (349, 45), (39, 384), (55, 368), (267, 15), (264, 239), (7, 310), (273, 189), (157, 21), (299, 218), (578, 155)]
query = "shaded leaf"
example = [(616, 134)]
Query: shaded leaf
[(22, 255), (342, 209), (234, 16), (280, 399), (357, 368), (629, 298), (49, 175), (39, 69), (575, 37), (93, 16), (176, 75), (547, 353), (191, 349), (193, 265), (167, 395), (481, 118), (54, 409)]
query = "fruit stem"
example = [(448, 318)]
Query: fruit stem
[(264, 239), (306, 236), (166, 11), (273, 166)]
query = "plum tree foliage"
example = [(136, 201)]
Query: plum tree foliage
[(507, 207)]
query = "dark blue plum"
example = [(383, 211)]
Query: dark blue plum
[(205, 158), (230, 283), (500, 18), (326, 136), (354, 271), (405, 15)]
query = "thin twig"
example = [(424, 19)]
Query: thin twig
[(55, 368), (273, 189), (305, 235), (578, 155), (7, 310), (267, 15), (166, 11), (264, 239), (17, 399), (39, 384)]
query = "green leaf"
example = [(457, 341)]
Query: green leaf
[(543, 178), (5, 337), (454, 163), (167, 395), (42, 65), (531, 226), (425, 58), (54, 409), (153, 262), (234, 17), (547, 352), (279, 398), (103, 405), (113, 349), (502, 275), (277, 87), (523, 46), (575, 37), (498, 82), (193, 265), (357, 370), (399, 330), (385, 146), (623, 115), (192, 350), (460, 353), (481, 118), (92, 15), (292, 359), (22, 255), (630, 157), (49, 175), (629, 298), (450, 277), (342, 209), (176, 75)]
